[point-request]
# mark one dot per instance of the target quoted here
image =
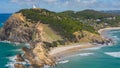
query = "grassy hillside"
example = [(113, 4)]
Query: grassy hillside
[(63, 24), (68, 22)]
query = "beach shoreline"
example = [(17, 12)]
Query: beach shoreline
[(101, 31), (61, 52)]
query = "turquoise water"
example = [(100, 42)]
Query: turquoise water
[(96, 57), (7, 50), (7, 54)]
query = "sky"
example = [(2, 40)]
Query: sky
[(11, 6)]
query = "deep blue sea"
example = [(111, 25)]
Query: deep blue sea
[(96, 57)]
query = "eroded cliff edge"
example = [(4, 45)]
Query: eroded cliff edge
[(41, 36)]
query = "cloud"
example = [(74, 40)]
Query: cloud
[(86, 1), (89, 1), (78, 0), (50, 1), (70, 4), (62, 2), (27, 2)]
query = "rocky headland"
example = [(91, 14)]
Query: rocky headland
[(42, 38)]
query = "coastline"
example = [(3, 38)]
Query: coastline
[(61, 52), (101, 31)]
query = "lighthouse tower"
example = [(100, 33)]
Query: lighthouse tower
[(34, 6)]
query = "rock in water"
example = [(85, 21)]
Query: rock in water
[(19, 58), (17, 65)]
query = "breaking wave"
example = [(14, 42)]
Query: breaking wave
[(113, 54)]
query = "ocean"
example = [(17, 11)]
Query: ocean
[(96, 57), (8, 50)]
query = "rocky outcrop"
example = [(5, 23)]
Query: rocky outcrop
[(17, 65), (86, 36), (16, 29), (38, 56), (19, 58)]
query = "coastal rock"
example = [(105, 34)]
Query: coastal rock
[(38, 56), (17, 65), (86, 36), (19, 58), (42, 55), (28, 54), (17, 29)]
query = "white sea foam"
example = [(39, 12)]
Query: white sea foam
[(27, 44), (94, 48), (82, 54), (16, 43), (85, 54), (64, 61), (16, 50), (113, 54), (5, 41), (115, 31), (12, 61)]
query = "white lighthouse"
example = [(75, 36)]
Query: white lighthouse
[(34, 6)]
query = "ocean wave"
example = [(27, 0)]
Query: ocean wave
[(64, 61), (16, 43), (46, 66), (116, 31), (113, 54), (27, 45), (94, 48), (12, 61), (85, 54), (5, 41), (19, 50), (115, 37), (82, 54)]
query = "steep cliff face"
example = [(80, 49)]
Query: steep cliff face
[(16, 29)]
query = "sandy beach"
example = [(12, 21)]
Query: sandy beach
[(107, 29), (63, 50), (68, 48)]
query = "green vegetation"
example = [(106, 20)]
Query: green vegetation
[(63, 24), (68, 22)]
